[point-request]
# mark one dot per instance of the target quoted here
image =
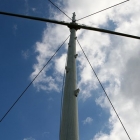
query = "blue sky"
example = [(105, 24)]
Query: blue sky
[(26, 45)]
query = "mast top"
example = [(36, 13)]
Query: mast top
[(73, 17), (73, 23)]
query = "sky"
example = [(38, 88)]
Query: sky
[(26, 46)]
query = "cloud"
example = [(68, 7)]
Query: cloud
[(60, 63), (88, 120), (33, 9), (123, 69), (115, 59), (29, 9), (50, 99), (26, 7), (25, 54), (15, 27), (30, 138), (45, 49), (46, 134)]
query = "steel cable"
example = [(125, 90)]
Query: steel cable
[(102, 10), (31, 82), (59, 9)]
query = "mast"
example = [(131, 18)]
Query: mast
[(69, 122)]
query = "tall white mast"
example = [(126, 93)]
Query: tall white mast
[(69, 122)]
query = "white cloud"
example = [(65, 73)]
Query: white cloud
[(60, 63), (123, 69), (115, 59), (25, 54), (50, 99), (88, 120), (33, 9), (30, 138), (51, 40), (46, 134), (26, 7), (15, 27)]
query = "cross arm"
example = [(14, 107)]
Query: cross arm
[(71, 25)]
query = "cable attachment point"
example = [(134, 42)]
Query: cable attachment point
[(76, 92), (67, 69), (75, 55)]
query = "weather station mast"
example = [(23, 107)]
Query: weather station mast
[(69, 121), (69, 118)]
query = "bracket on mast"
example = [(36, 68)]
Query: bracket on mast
[(67, 69), (75, 55), (72, 26), (76, 92)]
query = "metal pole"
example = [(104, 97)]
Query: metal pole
[(69, 122)]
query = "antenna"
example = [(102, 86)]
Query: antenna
[(69, 121)]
